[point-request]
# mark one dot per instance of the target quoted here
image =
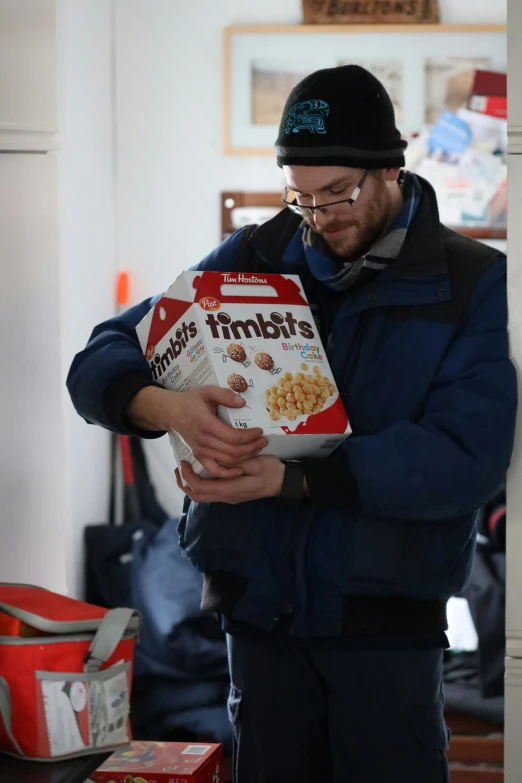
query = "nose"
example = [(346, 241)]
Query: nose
[(321, 218)]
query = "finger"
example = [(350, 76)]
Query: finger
[(211, 490), (218, 396), (227, 454), (179, 482), (199, 490), (212, 467), (199, 497), (219, 471), (227, 434), (198, 484), (209, 455)]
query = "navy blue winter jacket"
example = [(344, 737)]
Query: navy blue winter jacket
[(421, 359)]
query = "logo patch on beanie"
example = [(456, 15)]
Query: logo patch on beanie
[(307, 115)]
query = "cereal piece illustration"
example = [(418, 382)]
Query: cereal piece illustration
[(299, 394), (237, 383), (264, 361), (304, 366), (236, 352)]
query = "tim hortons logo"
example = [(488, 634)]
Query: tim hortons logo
[(159, 363), (241, 278), (274, 328)]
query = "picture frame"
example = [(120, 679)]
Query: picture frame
[(419, 65)]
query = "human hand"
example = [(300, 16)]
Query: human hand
[(262, 478), (220, 448)]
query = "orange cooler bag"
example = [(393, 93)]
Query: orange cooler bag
[(65, 678)]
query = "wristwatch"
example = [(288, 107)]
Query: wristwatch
[(293, 482)]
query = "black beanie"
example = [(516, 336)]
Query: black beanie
[(340, 117)]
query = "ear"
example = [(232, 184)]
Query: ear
[(392, 175)]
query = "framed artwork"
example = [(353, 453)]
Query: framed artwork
[(425, 68)]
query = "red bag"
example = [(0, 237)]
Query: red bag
[(65, 683)]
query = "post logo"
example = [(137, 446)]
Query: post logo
[(209, 304)]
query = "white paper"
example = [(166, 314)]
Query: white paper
[(86, 713), (62, 727)]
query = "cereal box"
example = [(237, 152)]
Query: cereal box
[(256, 335), (163, 762)]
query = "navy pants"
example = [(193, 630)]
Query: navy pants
[(310, 715)]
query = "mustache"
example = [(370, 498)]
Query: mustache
[(332, 227)]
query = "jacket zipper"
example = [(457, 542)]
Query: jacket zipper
[(350, 372)]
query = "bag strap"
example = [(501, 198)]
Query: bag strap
[(107, 638), (6, 714), (247, 259)]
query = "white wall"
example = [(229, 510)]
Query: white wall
[(473, 11), (169, 107), (87, 240), (513, 754), (33, 514), (32, 466), (169, 91)]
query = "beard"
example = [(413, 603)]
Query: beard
[(358, 233)]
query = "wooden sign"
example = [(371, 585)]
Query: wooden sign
[(370, 11)]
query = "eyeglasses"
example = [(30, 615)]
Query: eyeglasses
[(291, 199)]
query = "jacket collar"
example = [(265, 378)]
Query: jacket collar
[(422, 255), (423, 252)]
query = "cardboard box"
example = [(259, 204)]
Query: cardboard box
[(256, 335), (163, 762)]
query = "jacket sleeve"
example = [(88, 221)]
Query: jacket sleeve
[(111, 369), (453, 459)]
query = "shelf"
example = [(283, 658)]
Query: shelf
[(240, 199)]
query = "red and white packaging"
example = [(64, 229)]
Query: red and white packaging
[(492, 105), (163, 762), (256, 335)]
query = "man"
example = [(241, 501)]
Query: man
[(332, 575)]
